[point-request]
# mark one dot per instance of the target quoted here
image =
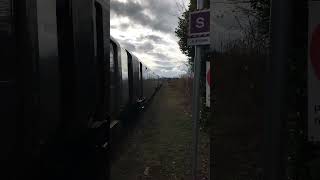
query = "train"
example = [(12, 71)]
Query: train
[(65, 84), (134, 86)]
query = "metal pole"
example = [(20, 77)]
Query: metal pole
[(196, 103), (275, 117)]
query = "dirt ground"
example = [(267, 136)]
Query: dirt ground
[(159, 147)]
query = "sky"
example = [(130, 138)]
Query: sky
[(146, 28)]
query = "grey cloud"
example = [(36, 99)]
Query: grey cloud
[(157, 15), (132, 10), (124, 26), (146, 47), (128, 8), (169, 73), (137, 13), (154, 38), (127, 45), (160, 56), (162, 62), (182, 67), (168, 68)]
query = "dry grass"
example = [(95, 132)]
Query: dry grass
[(184, 86)]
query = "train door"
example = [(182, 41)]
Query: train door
[(130, 76), (101, 61), (124, 80), (83, 39), (113, 102), (49, 72), (101, 124), (135, 79), (28, 80), (10, 103)]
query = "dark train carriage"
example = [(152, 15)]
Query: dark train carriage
[(150, 82), (155, 81), (132, 83), (147, 82), (115, 80), (125, 89), (135, 78), (124, 79), (53, 78), (158, 81)]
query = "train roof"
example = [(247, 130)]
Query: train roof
[(115, 41)]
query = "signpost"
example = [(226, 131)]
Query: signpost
[(199, 29), (314, 72), (208, 84)]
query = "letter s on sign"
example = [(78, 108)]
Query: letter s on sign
[(200, 22)]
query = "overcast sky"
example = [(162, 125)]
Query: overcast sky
[(146, 28)]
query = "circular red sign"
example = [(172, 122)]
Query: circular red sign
[(315, 50), (209, 77)]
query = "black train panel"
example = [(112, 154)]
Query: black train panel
[(58, 89)]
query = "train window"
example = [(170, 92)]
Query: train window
[(112, 57), (124, 64), (98, 38), (125, 77), (112, 104)]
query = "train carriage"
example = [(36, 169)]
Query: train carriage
[(150, 82), (136, 88), (55, 75), (64, 82), (147, 82), (125, 89), (135, 82), (134, 78)]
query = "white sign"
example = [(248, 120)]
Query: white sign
[(208, 83), (198, 41), (314, 73)]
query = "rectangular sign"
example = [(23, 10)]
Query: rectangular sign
[(198, 41), (199, 23), (314, 72), (208, 81)]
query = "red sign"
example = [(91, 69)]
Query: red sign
[(209, 77), (315, 51)]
